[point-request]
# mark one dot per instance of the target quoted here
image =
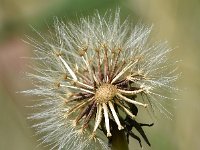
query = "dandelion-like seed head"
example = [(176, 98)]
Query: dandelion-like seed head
[(89, 76)]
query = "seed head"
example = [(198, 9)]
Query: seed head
[(89, 75)]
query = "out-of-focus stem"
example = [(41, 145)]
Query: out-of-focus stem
[(119, 141)]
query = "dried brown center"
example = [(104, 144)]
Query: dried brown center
[(105, 93)]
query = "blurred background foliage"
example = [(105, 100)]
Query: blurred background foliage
[(177, 21)]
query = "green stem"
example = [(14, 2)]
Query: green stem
[(119, 141)]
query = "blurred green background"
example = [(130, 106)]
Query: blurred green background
[(178, 21)]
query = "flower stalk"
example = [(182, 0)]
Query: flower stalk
[(119, 141)]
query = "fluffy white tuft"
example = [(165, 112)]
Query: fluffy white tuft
[(63, 55)]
